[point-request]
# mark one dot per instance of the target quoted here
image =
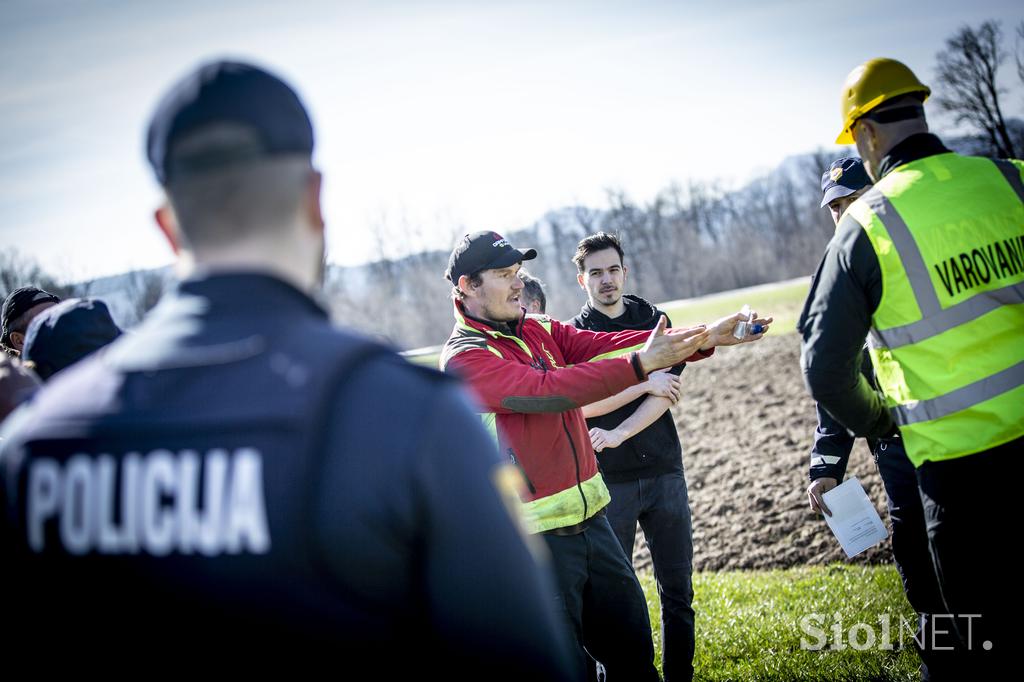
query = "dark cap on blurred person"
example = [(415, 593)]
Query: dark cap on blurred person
[(19, 302), (265, 115), (66, 333), (844, 177), (484, 250)]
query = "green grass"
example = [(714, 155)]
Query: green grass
[(783, 301), (749, 623)]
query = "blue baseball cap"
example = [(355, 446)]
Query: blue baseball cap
[(844, 177), (267, 112), (64, 334)]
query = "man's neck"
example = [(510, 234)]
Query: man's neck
[(191, 265), (477, 315), (611, 311)]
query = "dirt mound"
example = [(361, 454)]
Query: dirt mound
[(747, 425)]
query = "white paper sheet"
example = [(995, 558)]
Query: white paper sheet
[(854, 520)]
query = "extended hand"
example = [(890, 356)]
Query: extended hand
[(668, 350), (721, 330)]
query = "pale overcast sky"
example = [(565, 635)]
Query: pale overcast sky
[(440, 114)]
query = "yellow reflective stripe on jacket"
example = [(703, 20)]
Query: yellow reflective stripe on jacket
[(519, 342), (616, 353), (947, 339), (565, 508)]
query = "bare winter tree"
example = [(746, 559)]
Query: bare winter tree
[(1018, 52), (966, 71), (19, 270)]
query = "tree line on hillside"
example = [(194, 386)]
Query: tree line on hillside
[(688, 240)]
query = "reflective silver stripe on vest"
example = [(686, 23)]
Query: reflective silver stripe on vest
[(954, 316), (906, 247), (1012, 175), (962, 398)]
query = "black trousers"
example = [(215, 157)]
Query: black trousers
[(662, 507), (602, 603), (937, 645), (972, 510)]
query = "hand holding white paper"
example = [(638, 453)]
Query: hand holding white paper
[(854, 521)]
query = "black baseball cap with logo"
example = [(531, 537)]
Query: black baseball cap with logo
[(484, 250)]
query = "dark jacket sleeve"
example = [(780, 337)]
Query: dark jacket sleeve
[(835, 321), (486, 589), (830, 453), (413, 517)]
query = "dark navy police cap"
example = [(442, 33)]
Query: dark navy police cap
[(64, 334), (244, 96), (844, 177), (484, 250)]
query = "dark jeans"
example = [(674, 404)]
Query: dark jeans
[(602, 602), (662, 507), (914, 561), (972, 511)]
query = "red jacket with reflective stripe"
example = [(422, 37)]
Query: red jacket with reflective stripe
[(534, 383)]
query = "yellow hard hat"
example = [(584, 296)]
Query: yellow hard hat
[(870, 84)]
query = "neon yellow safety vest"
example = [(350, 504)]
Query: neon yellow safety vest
[(947, 339)]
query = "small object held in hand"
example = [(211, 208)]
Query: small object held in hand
[(757, 329), (743, 326)]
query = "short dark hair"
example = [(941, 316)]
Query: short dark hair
[(475, 279), (219, 206), (593, 244), (533, 289)]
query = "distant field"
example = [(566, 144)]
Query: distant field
[(748, 624), (781, 300)]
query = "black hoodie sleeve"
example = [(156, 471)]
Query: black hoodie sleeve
[(836, 318)]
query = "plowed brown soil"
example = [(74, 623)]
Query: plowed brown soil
[(747, 426)]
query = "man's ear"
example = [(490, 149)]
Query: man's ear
[(465, 286), (579, 278), (168, 224), (868, 134), (17, 340), (311, 202)]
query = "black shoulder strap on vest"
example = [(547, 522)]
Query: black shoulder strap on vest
[(340, 372), (1012, 174)]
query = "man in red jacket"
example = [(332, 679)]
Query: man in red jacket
[(530, 375)]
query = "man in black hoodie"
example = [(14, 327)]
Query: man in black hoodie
[(639, 451)]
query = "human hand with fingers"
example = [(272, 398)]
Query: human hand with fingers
[(721, 331), (667, 350), (602, 438), (664, 385), (816, 491)]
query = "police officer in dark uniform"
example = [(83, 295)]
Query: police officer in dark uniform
[(240, 484)]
